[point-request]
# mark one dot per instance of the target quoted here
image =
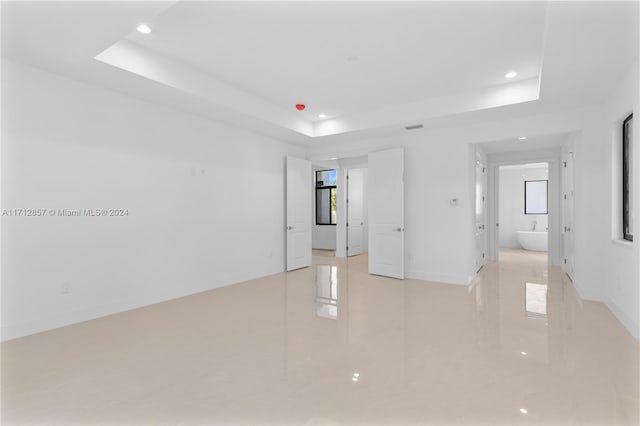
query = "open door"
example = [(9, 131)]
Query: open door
[(386, 213), (299, 213), (355, 212), (480, 209), (567, 212)]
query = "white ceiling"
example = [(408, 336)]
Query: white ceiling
[(341, 58), (526, 166), (371, 66), (531, 143)]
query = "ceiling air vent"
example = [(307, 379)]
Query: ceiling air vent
[(414, 127)]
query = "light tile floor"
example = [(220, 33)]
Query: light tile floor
[(333, 345)]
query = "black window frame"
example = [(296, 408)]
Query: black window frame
[(627, 162), (331, 188), (546, 192)]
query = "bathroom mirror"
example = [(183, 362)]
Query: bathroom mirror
[(535, 197)]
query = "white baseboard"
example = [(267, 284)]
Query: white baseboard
[(629, 323), (456, 279)]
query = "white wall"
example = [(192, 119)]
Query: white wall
[(619, 264), (439, 165), (511, 215), (205, 202), (324, 237)]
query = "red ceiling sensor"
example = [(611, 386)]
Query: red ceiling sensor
[(300, 107)]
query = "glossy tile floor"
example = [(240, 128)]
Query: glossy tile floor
[(334, 345)]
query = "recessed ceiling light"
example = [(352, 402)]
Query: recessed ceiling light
[(523, 353), (511, 74), (355, 379), (356, 374), (522, 138), (144, 29), (524, 411), (322, 115)]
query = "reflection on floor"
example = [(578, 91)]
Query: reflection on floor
[(516, 256), (324, 253), (333, 345)]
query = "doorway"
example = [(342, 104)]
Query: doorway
[(357, 226), (367, 185), (340, 207), (523, 211), (553, 220), (325, 202)]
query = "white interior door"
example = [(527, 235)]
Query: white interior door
[(480, 213), (355, 212), (299, 213), (386, 213), (567, 212)]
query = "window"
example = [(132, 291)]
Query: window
[(535, 197), (326, 197), (627, 157)]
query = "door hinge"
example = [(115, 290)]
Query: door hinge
[(347, 224), (565, 261), (483, 170), (483, 198), (564, 164), (483, 255), (565, 196)]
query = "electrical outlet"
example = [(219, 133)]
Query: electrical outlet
[(66, 288)]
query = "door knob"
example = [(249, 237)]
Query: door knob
[(290, 228), (398, 229)]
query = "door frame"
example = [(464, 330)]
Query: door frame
[(365, 236), (480, 159), (568, 215)]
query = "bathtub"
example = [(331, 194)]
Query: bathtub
[(536, 240)]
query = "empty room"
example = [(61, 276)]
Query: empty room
[(320, 213)]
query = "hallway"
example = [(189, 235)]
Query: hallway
[(396, 352)]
